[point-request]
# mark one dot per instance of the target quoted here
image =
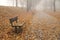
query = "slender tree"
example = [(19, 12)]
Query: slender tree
[(13, 2), (54, 5), (16, 3), (27, 6)]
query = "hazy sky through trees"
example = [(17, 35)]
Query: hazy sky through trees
[(12, 3), (33, 4)]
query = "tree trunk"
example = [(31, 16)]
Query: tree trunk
[(54, 6), (16, 3)]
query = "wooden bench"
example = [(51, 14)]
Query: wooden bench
[(17, 28)]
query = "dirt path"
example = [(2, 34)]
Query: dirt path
[(44, 27)]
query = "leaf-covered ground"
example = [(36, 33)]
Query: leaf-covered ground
[(38, 25)]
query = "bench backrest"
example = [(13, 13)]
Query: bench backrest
[(13, 19)]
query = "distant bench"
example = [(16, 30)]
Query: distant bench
[(18, 29)]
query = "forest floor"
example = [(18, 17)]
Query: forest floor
[(38, 25)]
